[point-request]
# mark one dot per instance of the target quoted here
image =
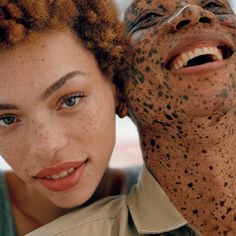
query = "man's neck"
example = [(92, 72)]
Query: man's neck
[(196, 167)]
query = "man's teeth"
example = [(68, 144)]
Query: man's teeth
[(185, 57), (61, 175)]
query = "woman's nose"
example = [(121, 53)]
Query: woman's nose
[(190, 15), (45, 140)]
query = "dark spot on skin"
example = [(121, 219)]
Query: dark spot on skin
[(229, 209), (190, 185), (168, 117), (153, 142), (204, 151), (175, 115), (147, 69), (195, 212), (222, 203)]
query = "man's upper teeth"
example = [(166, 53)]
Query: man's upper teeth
[(61, 175), (186, 56)]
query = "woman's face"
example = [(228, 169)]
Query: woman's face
[(57, 117)]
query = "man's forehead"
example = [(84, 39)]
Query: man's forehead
[(123, 5)]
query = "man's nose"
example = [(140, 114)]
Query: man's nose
[(190, 15), (45, 140)]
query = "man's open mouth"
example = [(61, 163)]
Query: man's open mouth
[(199, 56)]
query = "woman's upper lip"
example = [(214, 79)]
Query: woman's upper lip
[(212, 39), (53, 170)]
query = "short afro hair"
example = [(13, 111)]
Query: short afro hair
[(95, 22)]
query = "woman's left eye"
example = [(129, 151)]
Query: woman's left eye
[(71, 100)]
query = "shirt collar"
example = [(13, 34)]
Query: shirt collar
[(151, 209)]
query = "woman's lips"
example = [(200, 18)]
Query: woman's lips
[(61, 177)]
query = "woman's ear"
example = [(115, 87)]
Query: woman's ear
[(121, 104)]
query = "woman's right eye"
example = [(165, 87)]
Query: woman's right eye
[(8, 120)]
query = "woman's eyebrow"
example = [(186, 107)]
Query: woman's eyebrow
[(49, 91), (8, 107), (59, 83)]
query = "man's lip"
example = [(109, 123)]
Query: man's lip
[(206, 39), (54, 170), (204, 68)]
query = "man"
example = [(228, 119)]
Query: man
[(181, 94)]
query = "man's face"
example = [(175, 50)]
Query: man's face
[(185, 65)]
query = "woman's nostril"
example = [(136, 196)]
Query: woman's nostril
[(182, 24), (205, 20)]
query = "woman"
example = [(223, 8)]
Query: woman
[(182, 98), (57, 102)]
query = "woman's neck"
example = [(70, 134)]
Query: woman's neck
[(196, 167)]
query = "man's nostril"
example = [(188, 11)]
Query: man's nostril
[(182, 24), (205, 20)]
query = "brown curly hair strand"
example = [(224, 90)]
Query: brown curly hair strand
[(93, 21)]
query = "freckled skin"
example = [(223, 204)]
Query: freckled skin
[(186, 122)]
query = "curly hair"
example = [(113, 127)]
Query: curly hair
[(95, 22)]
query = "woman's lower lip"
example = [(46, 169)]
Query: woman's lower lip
[(64, 183), (208, 67)]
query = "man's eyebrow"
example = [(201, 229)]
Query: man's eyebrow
[(58, 84), (8, 107)]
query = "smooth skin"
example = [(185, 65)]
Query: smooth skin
[(43, 125)]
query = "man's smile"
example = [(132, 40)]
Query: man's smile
[(199, 54)]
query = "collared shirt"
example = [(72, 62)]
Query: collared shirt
[(146, 210)]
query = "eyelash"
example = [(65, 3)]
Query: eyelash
[(66, 98), (63, 100), (7, 116)]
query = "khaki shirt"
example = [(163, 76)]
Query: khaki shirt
[(145, 211)]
